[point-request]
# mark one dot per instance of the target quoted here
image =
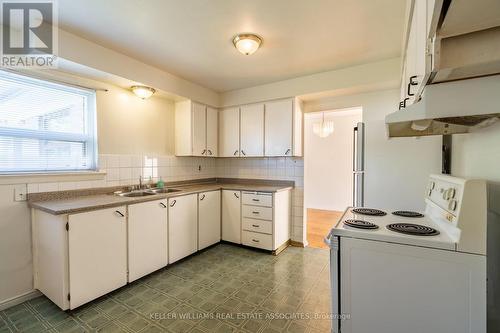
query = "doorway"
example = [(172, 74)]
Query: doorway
[(328, 169)]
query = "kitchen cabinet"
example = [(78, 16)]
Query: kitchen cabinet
[(79, 257), (229, 132), (266, 220), (283, 128), (252, 130), (231, 216), (195, 129), (147, 238), (182, 227), (209, 218)]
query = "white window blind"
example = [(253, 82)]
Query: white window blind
[(45, 126)]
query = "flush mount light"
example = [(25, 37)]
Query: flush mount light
[(324, 128), (247, 43), (143, 91)]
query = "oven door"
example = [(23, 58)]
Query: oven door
[(333, 242)]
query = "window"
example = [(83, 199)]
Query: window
[(45, 126)]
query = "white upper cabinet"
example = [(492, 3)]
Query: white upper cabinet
[(195, 129), (212, 132), (229, 132), (283, 128), (252, 130)]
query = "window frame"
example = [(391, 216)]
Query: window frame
[(89, 139)]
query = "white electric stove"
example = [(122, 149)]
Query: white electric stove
[(413, 272)]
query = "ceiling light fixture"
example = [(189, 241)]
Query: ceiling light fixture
[(247, 43), (143, 91), (324, 128)]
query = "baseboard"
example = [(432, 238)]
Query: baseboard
[(297, 244), (8, 303)]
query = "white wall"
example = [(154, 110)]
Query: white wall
[(396, 169), (328, 161)]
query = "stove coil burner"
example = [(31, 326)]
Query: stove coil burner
[(369, 211), (405, 213), (360, 224), (413, 229)]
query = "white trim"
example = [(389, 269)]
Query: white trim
[(8, 303), (25, 178)]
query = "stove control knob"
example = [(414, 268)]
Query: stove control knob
[(446, 195), (432, 185), (452, 205), (453, 192)]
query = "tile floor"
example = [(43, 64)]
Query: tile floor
[(223, 289)]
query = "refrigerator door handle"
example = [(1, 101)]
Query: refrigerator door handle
[(355, 150)]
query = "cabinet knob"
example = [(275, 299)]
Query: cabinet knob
[(163, 205), (202, 197), (119, 213), (173, 203)]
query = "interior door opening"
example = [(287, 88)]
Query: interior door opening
[(328, 169)]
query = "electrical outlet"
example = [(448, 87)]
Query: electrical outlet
[(20, 192)]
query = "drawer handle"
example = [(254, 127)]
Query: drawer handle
[(173, 203), (256, 213), (256, 200), (255, 225), (119, 213), (255, 240), (163, 205)]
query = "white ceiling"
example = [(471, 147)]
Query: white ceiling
[(192, 38)]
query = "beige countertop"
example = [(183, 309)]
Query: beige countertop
[(58, 205)]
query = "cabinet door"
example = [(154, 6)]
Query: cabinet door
[(212, 132), (209, 220), (231, 216), (97, 244), (199, 120), (182, 227), (147, 238), (252, 130), (279, 128), (229, 132)]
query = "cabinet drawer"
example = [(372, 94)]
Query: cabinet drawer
[(254, 239), (265, 227), (257, 212), (257, 199)]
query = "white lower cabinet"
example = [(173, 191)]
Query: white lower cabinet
[(182, 227), (209, 219), (231, 216), (147, 238)]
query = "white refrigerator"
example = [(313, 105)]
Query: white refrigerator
[(358, 163)]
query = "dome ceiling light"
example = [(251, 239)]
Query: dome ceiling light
[(143, 92), (247, 43)]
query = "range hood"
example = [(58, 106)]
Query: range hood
[(449, 108)]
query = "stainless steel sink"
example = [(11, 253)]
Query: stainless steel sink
[(164, 190), (134, 194)]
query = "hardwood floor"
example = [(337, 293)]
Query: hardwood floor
[(319, 223)]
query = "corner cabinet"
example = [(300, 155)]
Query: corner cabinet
[(80, 257), (196, 129), (182, 227)]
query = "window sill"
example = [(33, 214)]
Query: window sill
[(45, 177)]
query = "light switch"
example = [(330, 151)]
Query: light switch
[(20, 192)]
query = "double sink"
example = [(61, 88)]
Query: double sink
[(146, 192)]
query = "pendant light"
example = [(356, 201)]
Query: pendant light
[(324, 128)]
